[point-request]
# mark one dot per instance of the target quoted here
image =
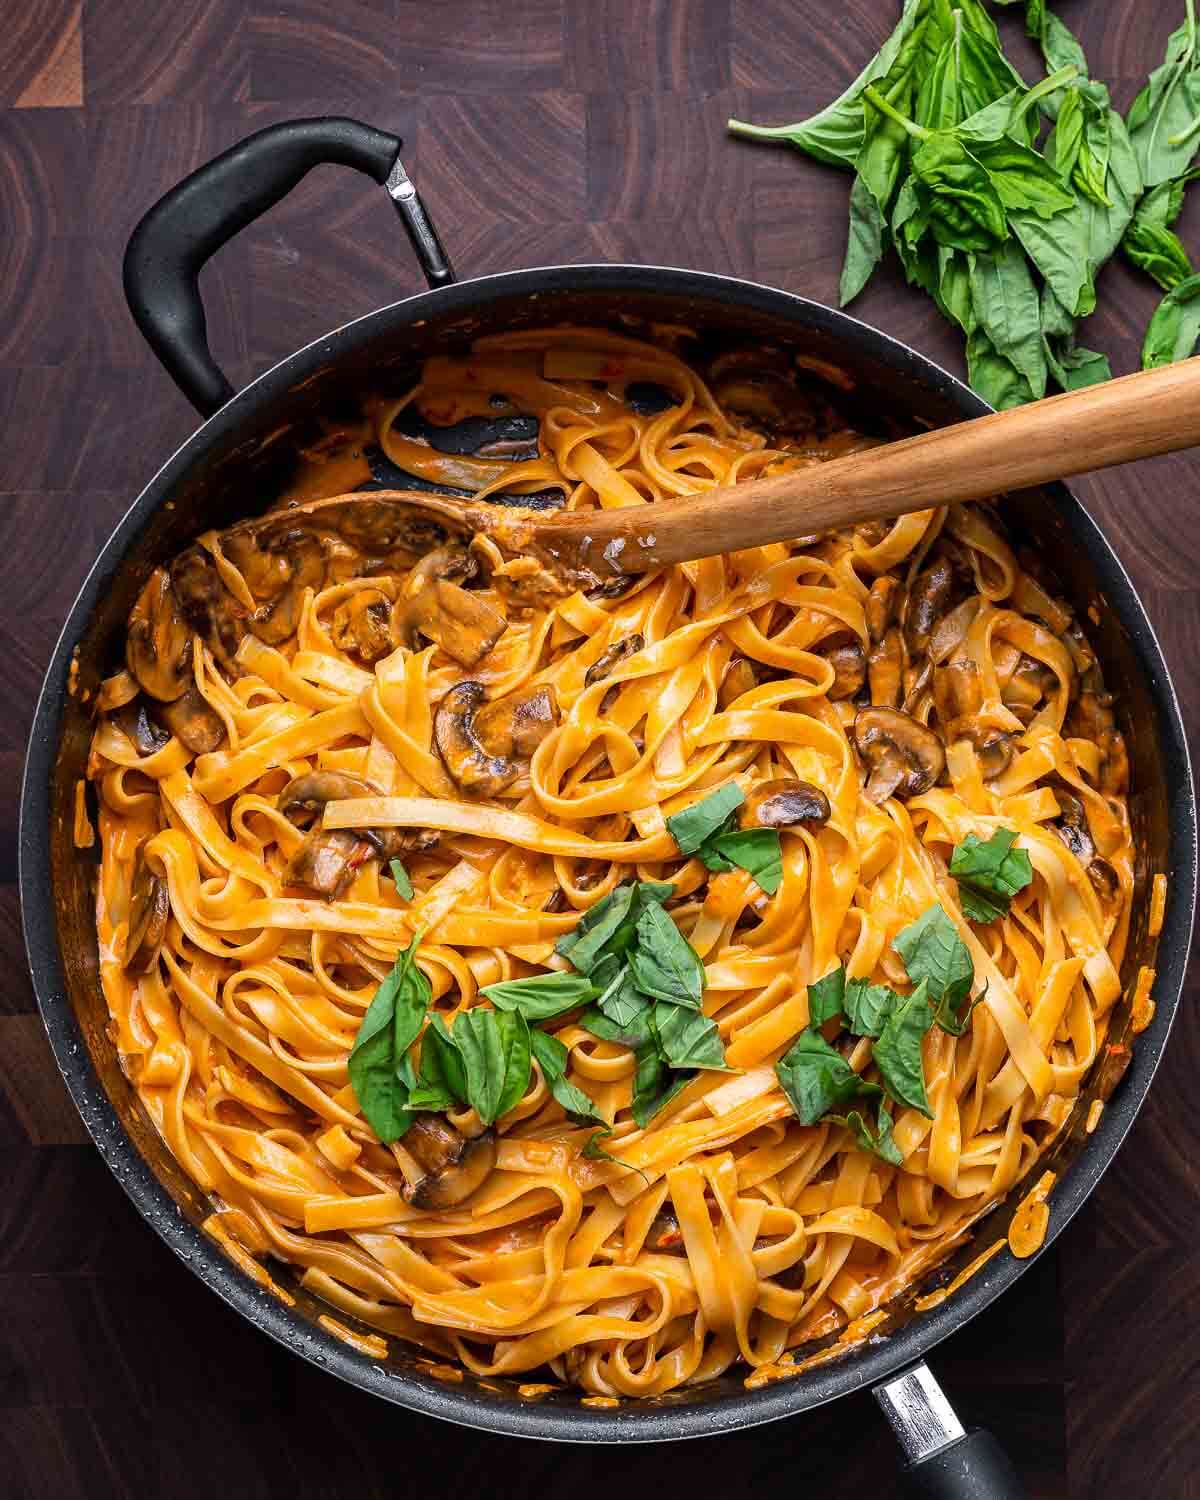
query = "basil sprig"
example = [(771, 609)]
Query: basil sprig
[(377, 1062), (707, 829), (404, 885), (541, 997), (989, 873)]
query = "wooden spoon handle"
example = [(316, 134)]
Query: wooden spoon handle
[(1155, 411)]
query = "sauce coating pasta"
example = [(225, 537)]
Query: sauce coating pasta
[(299, 711)]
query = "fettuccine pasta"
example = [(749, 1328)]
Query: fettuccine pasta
[(327, 703)]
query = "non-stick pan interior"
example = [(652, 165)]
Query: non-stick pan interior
[(235, 467)]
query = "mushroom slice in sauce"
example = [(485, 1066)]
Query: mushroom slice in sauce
[(149, 908), (194, 722), (449, 1166), (739, 677), (905, 758), (327, 861), (465, 626), (784, 803), (158, 643), (470, 764), (618, 652), (849, 670), (309, 794), (514, 726), (885, 669), (362, 625), (1072, 826), (880, 608), (136, 721), (928, 597)]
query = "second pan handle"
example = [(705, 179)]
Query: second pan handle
[(194, 219)]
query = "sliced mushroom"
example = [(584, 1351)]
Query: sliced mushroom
[(1105, 879), (465, 626), (885, 669), (309, 793), (362, 625), (630, 645), (1093, 719), (904, 757), (327, 861), (468, 761), (149, 908), (766, 397), (207, 604), (1029, 682), (514, 726), (158, 643), (849, 670), (881, 606), (664, 1237), (738, 679), (136, 722), (994, 749), (1082, 655), (957, 692), (449, 1166), (784, 803), (194, 722), (927, 600), (950, 631), (1072, 826)]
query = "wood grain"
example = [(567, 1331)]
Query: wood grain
[(541, 131)]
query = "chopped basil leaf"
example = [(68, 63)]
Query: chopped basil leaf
[(868, 1006), (816, 1078), (756, 850), (495, 1049), (552, 1059), (403, 884), (879, 1141), (664, 964), (388, 1029), (989, 874), (933, 951), (610, 927), (441, 1083), (654, 1084), (541, 996), (897, 1053), (694, 824), (688, 1038), (631, 1034), (826, 997)]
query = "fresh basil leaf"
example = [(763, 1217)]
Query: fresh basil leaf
[(654, 1085), (826, 997), (877, 1142), (1068, 134), (495, 1049), (694, 824), (631, 1034), (441, 1083), (756, 850), (953, 290), (1023, 179), (865, 242), (816, 1078), (1175, 327), (868, 1006), (688, 1038), (966, 210), (664, 964), (621, 1000), (403, 884), (989, 874), (1091, 166), (1072, 367), (552, 1059), (1006, 306), (389, 1027), (1162, 120), (835, 134), (935, 955), (897, 1052), (610, 927), (1158, 251), (992, 376), (541, 996), (968, 74)]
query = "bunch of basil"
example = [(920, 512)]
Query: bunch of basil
[(943, 138)]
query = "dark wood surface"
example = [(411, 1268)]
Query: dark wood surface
[(540, 131)]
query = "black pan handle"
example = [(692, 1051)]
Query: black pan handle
[(944, 1462), (190, 223)]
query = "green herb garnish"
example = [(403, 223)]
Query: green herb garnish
[(403, 884), (817, 1079), (495, 1049), (879, 1141), (707, 829), (694, 824), (541, 996), (989, 874), (1175, 326), (609, 929), (390, 1026), (664, 965), (552, 1059), (897, 1050)]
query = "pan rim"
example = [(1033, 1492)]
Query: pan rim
[(631, 1423)]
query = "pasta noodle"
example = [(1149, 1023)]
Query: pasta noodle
[(254, 783)]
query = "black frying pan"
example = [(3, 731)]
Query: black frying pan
[(241, 457)]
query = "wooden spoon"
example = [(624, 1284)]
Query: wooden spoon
[(1138, 416)]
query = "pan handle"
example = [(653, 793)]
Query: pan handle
[(191, 222), (944, 1462)]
